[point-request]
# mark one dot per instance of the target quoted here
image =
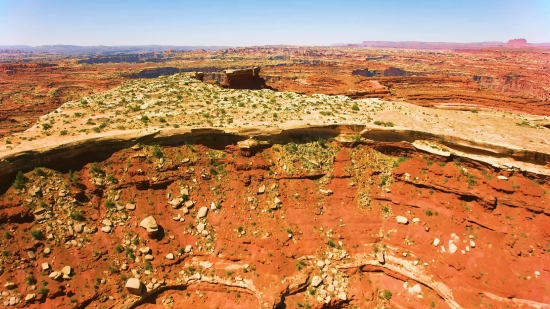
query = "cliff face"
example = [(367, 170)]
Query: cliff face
[(243, 79)]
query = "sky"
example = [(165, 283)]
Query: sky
[(268, 22)]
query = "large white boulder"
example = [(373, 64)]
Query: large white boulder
[(134, 286), (452, 248), (202, 212), (315, 281), (150, 224), (401, 220)]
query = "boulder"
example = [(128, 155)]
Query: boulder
[(150, 224), (188, 248), (380, 257), (79, 228), (134, 286), (500, 177), (130, 206), (452, 248), (67, 270), (402, 220), (55, 275), (30, 297), (261, 189), (315, 281), (325, 192), (472, 244), (175, 203), (170, 256), (107, 222), (10, 285), (436, 242), (45, 266), (202, 212), (106, 229), (144, 250)]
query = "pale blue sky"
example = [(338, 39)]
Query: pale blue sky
[(257, 22)]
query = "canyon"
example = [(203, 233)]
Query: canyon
[(277, 177)]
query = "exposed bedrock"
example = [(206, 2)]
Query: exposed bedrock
[(65, 156)]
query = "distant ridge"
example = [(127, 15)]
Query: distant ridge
[(515, 43), (68, 50)]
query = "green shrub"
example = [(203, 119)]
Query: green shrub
[(77, 215), (37, 234), (20, 180), (157, 152), (30, 280), (387, 294)]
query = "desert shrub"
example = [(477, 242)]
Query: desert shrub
[(20, 180)]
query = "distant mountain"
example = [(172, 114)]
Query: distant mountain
[(69, 50), (515, 43)]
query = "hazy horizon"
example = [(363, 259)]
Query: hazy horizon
[(249, 23)]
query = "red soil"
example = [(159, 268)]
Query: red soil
[(507, 219)]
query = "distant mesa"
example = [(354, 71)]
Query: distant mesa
[(517, 43)]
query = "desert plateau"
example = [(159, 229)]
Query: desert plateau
[(371, 175)]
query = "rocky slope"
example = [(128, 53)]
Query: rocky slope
[(305, 223)]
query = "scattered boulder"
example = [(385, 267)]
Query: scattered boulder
[(402, 220), (472, 244), (261, 190), (150, 224), (45, 266), (10, 285), (67, 270), (380, 257), (436, 242), (325, 192), (175, 203), (79, 228), (452, 248), (106, 229), (170, 256), (134, 286), (144, 250), (315, 281), (107, 222), (202, 212), (500, 177), (55, 275), (130, 206)]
